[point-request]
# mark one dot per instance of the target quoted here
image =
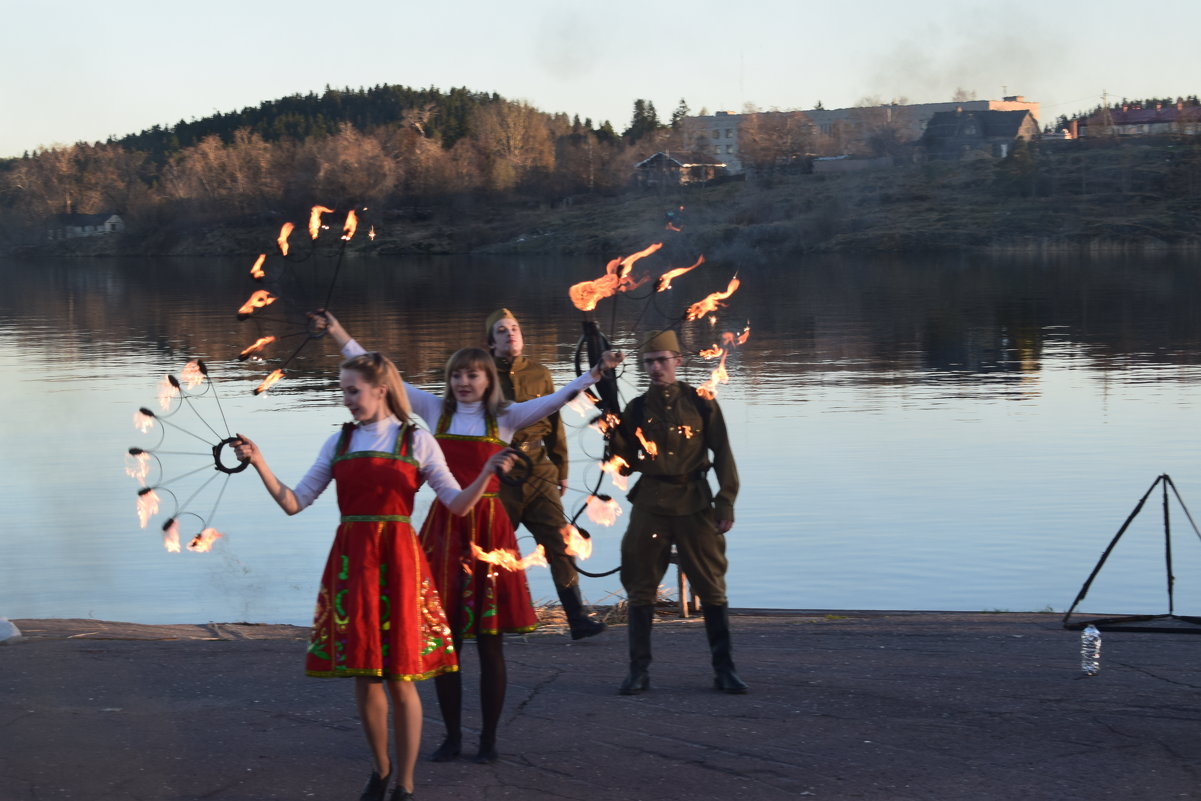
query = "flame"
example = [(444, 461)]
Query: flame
[(352, 225), (168, 388), (147, 506), (648, 447), (582, 404), (258, 345), (603, 511), (606, 422), (137, 465), (614, 468), (732, 340), (718, 376), (685, 431), (143, 420), (269, 381), (258, 300), (371, 234), (713, 352), (171, 536), (672, 227), (192, 374), (315, 219), (282, 241), (576, 544), (256, 271), (586, 294), (508, 560), (711, 303), (203, 542), (664, 281)]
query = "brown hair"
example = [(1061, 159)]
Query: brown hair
[(378, 370), (477, 359)]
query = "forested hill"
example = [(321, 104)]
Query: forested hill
[(444, 116)]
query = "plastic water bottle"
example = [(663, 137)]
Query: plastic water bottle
[(1090, 650)]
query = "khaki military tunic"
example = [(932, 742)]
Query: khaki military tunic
[(673, 503), (536, 503)]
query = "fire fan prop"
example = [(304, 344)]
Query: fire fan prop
[(214, 453), (288, 321)]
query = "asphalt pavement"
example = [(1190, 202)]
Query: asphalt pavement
[(843, 705)]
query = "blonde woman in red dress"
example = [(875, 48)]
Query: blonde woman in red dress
[(379, 618), (483, 602)]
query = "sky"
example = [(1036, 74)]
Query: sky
[(82, 71)]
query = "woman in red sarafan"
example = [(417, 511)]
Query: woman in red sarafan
[(483, 601), (379, 618)]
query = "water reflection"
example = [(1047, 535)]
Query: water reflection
[(956, 434)]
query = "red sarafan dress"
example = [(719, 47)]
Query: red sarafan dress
[(479, 598), (378, 611)]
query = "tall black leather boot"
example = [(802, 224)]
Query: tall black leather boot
[(639, 632), (581, 623), (717, 627)]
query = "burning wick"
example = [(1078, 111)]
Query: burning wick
[(718, 376), (352, 225), (137, 465), (575, 542), (258, 345), (648, 447), (193, 373), (168, 388), (282, 241), (586, 294), (258, 300), (371, 234), (147, 505), (602, 510), (268, 382), (256, 271), (664, 281), (315, 219), (615, 467), (203, 542), (171, 536), (507, 560), (713, 302), (143, 420)]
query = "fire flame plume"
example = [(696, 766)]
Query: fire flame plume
[(315, 219), (284, 232), (171, 536), (699, 309), (143, 420), (371, 233), (352, 225), (602, 511), (614, 468), (258, 345), (147, 506), (137, 465), (192, 374), (665, 280), (203, 542), (586, 294), (718, 376), (167, 389), (648, 447), (269, 381), (258, 299), (508, 560), (256, 271), (575, 543)]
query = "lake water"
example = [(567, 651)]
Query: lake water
[(954, 434)]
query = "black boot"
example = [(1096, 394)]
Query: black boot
[(639, 633), (582, 625), (717, 626)]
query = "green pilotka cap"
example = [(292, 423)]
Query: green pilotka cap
[(662, 340), (499, 314)]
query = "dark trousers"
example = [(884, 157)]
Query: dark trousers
[(646, 550)]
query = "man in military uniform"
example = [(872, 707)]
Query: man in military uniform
[(667, 435), (536, 503)]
